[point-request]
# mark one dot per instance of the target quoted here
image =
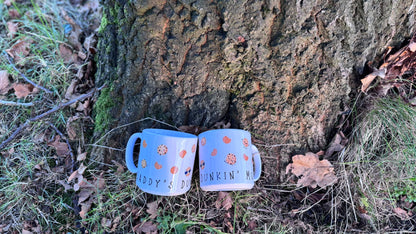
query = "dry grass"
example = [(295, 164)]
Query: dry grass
[(378, 170)]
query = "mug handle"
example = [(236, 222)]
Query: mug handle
[(129, 152), (257, 162)]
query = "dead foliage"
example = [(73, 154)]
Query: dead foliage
[(312, 171), (397, 72)]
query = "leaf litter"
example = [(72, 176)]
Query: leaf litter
[(311, 171), (397, 71)]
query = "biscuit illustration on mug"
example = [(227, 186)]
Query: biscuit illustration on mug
[(144, 143), (193, 148), (162, 149), (202, 164), (230, 159)]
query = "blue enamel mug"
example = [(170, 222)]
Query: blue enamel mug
[(166, 161), (227, 160)]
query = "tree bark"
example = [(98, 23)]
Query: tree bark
[(284, 70)]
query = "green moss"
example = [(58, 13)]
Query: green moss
[(102, 110), (103, 24)]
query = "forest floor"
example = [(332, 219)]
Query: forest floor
[(49, 184)]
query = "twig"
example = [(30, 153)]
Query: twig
[(277, 145), (9, 103), (59, 107), (137, 121), (69, 146), (23, 75)]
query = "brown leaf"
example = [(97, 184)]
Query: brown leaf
[(4, 82), (100, 182), (60, 147), (8, 2), (14, 14), (73, 176), (84, 195), (65, 184), (337, 144), (20, 49), (23, 90), (370, 77), (81, 169), (12, 28), (152, 209), (223, 201), (402, 214), (85, 207), (90, 43), (66, 53), (312, 171), (82, 157), (146, 227)]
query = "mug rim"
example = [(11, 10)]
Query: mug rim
[(225, 130), (168, 133)]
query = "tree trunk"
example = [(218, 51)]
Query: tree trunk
[(284, 70)]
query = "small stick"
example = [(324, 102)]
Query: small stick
[(9, 103), (69, 146), (59, 107), (23, 75)]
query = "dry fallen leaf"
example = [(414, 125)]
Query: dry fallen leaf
[(312, 171), (224, 201), (370, 77), (8, 2), (146, 227), (4, 82), (402, 214), (66, 53), (84, 195), (14, 14), (65, 184), (152, 209), (82, 156), (337, 144), (20, 49), (12, 28), (60, 147), (23, 90), (85, 207)]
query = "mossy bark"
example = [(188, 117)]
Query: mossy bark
[(283, 70)]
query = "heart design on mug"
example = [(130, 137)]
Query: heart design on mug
[(174, 170), (214, 152), (245, 157), (182, 153), (226, 140), (144, 143), (158, 166)]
